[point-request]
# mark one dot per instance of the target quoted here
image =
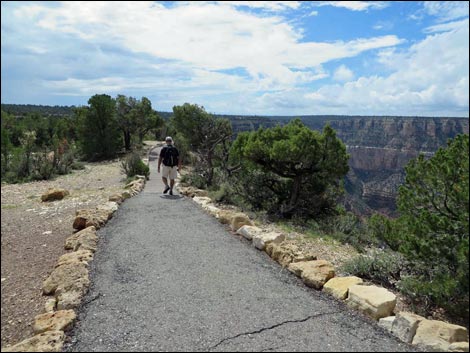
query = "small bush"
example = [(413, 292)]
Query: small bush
[(133, 165), (384, 267)]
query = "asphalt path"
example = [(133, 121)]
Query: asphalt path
[(168, 277)]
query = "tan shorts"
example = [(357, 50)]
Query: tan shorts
[(169, 172)]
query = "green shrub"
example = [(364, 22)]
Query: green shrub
[(384, 267), (133, 165)]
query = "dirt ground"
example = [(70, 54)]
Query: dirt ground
[(33, 235)]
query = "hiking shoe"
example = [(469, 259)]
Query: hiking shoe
[(171, 191), (166, 189)]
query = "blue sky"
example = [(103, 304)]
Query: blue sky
[(264, 58)]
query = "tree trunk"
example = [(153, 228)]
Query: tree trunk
[(127, 140), (294, 197), (210, 175)]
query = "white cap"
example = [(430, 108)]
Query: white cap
[(168, 138)]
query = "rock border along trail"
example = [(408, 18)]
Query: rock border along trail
[(168, 277)]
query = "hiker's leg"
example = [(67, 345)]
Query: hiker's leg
[(165, 181), (172, 183)]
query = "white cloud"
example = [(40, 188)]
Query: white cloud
[(267, 5), (447, 10), (313, 13), (355, 5), (444, 27), (431, 77), (207, 36), (343, 74)]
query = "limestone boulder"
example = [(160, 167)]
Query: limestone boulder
[(126, 195), (238, 220), (61, 320), (50, 305), (225, 216), (91, 217), (458, 347), (376, 302), (84, 256), (54, 194), (50, 341), (261, 240), (338, 287), (69, 296), (86, 239), (287, 252), (116, 198), (438, 335), (405, 325), (214, 211), (249, 231), (316, 273), (65, 277), (110, 207), (387, 323), (202, 200)]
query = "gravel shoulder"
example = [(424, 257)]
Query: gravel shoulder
[(33, 235)]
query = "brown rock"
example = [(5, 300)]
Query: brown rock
[(94, 217), (116, 198), (86, 239), (50, 341), (376, 302), (54, 194), (238, 220), (60, 320), (338, 287), (84, 256), (316, 273), (66, 276), (438, 335)]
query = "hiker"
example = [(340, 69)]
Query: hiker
[(171, 164)]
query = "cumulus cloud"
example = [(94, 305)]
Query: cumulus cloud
[(207, 36), (355, 5), (432, 76), (343, 74)]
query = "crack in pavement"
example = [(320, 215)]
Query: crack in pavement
[(271, 327)]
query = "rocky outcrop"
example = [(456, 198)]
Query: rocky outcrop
[(86, 239), (438, 335)]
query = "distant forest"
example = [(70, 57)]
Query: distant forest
[(56, 110)]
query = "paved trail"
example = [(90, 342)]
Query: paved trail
[(168, 277)]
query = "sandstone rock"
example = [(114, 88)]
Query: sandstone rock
[(86, 239), (405, 325), (133, 183), (211, 209), (50, 305), (249, 231), (69, 296), (54, 194), (287, 252), (202, 200), (224, 216), (66, 276), (316, 273), (94, 217), (126, 195), (110, 207), (116, 198), (458, 347), (338, 287), (376, 302), (261, 240), (238, 220), (387, 323), (60, 320), (84, 256), (438, 335), (50, 341)]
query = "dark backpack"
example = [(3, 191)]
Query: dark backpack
[(170, 158)]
